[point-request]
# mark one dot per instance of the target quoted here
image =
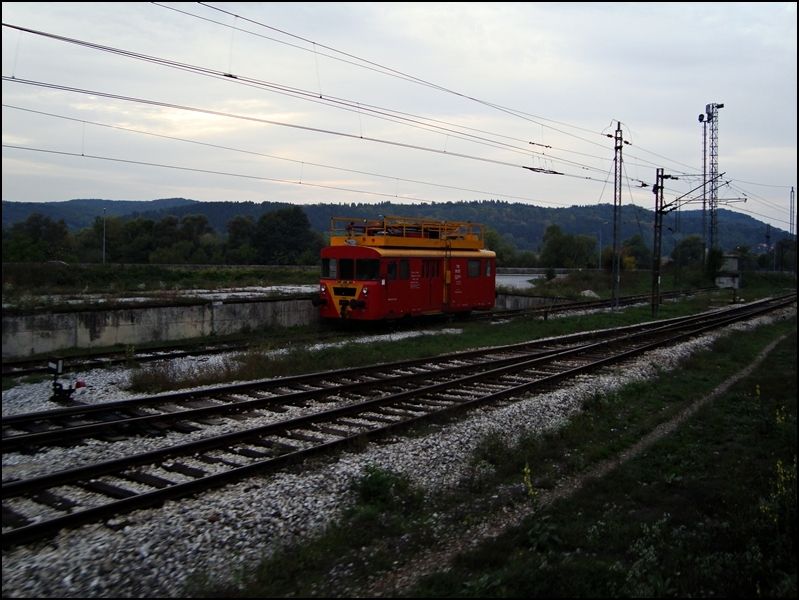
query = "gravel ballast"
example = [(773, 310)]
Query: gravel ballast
[(221, 534)]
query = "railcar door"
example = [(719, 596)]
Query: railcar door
[(416, 300), (434, 284), (457, 276), (397, 275)]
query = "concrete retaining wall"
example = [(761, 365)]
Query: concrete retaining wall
[(516, 302), (25, 335)]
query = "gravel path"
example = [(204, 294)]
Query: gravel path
[(223, 534)]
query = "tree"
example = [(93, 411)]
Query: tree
[(568, 251), (505, 250), (285, 237), (786, 254), (38, 239), (688, 252), (137, 241), (193, 227), (715, 259), (240, 247), (636, 250), (165, 232)]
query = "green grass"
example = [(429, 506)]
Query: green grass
[(708, 511), (20, 280), (258, 363), (753, 284)]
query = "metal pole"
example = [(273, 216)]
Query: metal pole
[(617, 213), (658, 189), (704, 191), (103, 236), (599, 261)]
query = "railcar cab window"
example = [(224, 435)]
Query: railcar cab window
[(329, 268), (367, 269), (350, 269), (346, 268)]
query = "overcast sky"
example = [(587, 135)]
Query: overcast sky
[(367, 102)]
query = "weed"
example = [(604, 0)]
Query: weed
[(532, 492), (779, 508), (644, 577), (492, 449), (542, 536), (382, 491)]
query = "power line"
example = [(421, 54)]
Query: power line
[(391, 115), (272, 156), (291, 125), (396, 73), (212, 172), (387, 71)]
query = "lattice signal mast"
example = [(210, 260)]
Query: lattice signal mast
[(711, 116)]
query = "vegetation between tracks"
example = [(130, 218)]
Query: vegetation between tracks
[(265, 361), (709, 510)]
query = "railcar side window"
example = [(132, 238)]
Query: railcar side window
[(474, 268), (488, 268), (404, 269), (430, 269), (367, 269), (346, 268), (391, 271), (329, 268)]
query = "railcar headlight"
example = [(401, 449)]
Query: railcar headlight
[(322, 288), (365, 291)]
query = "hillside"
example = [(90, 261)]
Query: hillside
[(522, 224)]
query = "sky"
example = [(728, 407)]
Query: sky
[(405, 102)]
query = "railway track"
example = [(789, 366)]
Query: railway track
[(21, 367), (153, 415), (335, 409), (569, 306)]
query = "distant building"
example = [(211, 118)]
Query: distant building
[(729, 275)]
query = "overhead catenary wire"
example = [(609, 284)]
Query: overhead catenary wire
[(291, 125), (211, 172), (315, 50), (426, 123), (368, 64), (378, 112), (396, 73), (282, 158)]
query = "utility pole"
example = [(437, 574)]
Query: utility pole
[(103, 236), (792, 231), (617, 161), (768, 240), (658, 235), (660, 210)]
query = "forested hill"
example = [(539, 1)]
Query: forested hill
[(520, 224)]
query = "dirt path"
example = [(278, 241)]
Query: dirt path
[(436, 559)]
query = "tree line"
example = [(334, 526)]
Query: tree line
[(285, 237), (281, 237)]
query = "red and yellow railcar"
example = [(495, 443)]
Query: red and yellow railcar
[(397, 267)]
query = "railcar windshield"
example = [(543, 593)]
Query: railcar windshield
[(329, 268), (366, 269), (350, 269)]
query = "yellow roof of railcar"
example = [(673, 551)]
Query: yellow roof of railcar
[(406, 232)]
